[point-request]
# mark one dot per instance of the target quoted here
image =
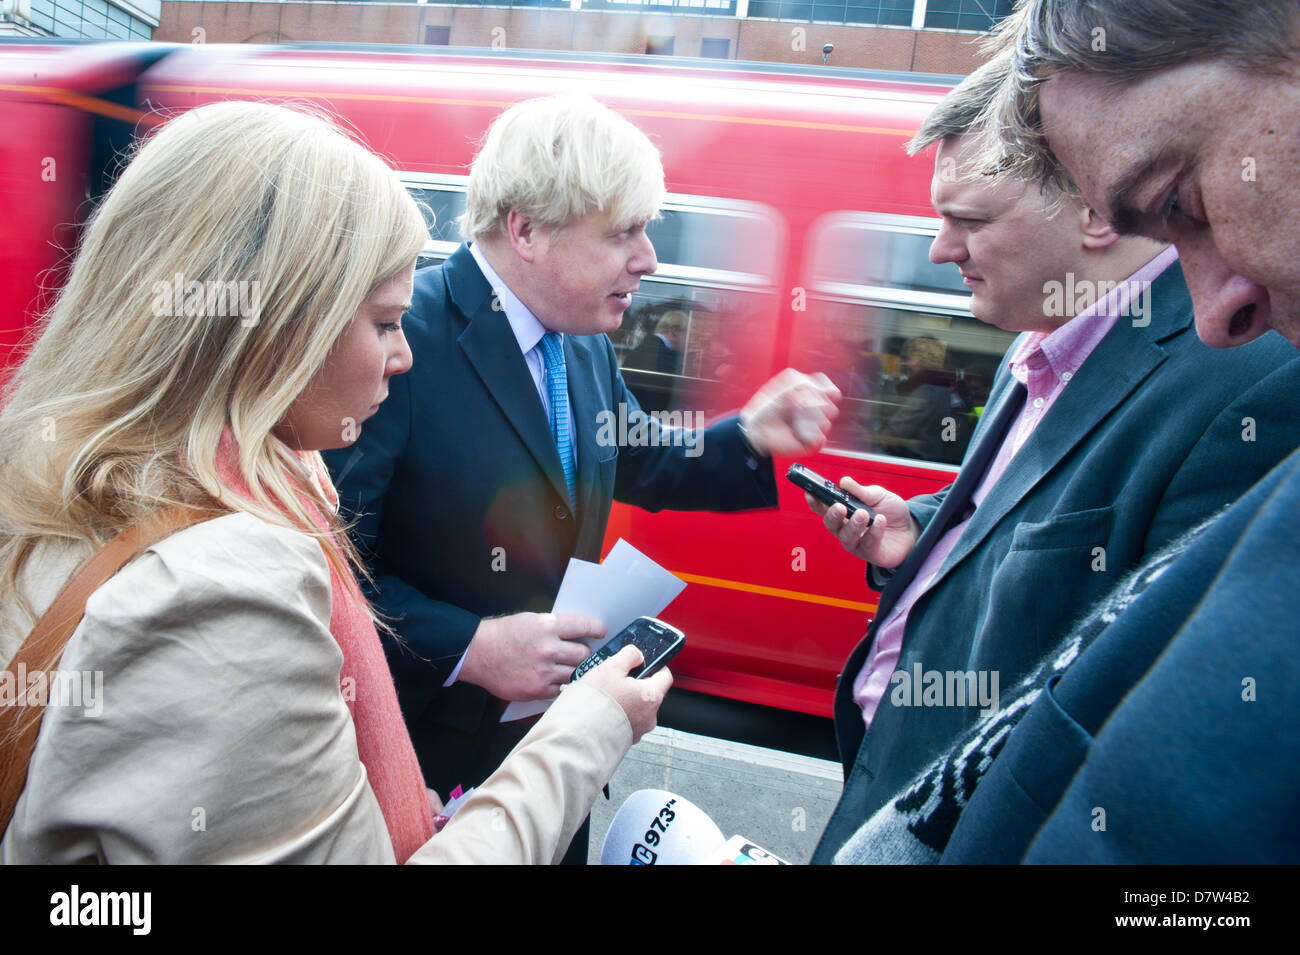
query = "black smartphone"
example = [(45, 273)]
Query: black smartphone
[(826, 492), (657, 641)]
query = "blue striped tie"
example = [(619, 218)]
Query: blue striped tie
[(557, 381)]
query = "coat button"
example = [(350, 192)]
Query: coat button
[(560, 512)]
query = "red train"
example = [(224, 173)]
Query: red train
[(796, 233)]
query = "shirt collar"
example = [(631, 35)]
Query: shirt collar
[(1065, 349), (528, 330)]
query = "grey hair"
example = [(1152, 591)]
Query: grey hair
[(1121, 40)]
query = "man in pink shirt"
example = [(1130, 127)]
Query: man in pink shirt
[(1110, 430)]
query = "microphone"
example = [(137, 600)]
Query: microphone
[(656, 827)]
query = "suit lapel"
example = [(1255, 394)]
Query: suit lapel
[(491, 348), (1004, 404), (999, 415)]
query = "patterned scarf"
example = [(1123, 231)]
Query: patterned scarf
[(915, 826), (367, 687)]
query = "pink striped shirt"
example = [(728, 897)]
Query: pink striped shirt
[(1044, 363)]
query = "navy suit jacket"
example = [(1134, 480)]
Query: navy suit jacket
[(462, 509), (1172, 738), (1154, 434)]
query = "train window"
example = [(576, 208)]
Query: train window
[(896, 335), (730, 238), (893, 253), (442, 202), (692, 339), (689, 341)]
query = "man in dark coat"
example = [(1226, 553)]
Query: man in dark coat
[(1108, 434), (496, 458), (1168, 735)]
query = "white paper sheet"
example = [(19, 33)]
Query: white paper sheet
[(626, 585)]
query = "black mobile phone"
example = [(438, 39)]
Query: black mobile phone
[(657, 641), (826, 492)]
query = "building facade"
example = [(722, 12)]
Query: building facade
[(94, 19), (928, 36)]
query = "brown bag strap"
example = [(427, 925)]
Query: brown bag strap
[(41, 651)]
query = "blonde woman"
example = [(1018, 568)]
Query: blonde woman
[(235, 308)]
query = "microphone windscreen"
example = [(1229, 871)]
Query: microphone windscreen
[(655, 827)]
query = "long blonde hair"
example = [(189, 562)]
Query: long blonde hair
[(119, 408)]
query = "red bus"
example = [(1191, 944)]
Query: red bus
[(796, 233)]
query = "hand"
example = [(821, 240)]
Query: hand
[(527, 656), (791, 414), (640, 699), (887, 541)]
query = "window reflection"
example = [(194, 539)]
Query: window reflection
[(893, 331), (895, 256), (682, 347), (442, 208)]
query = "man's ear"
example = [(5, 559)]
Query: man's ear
[(523, 234), (1097, 232)]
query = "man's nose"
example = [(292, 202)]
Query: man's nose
[(947, 246), (1230, 309), (643, 261)]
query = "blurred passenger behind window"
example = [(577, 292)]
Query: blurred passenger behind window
[(660, 352), (925, 421)]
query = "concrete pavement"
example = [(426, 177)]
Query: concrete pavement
[(777, 800)]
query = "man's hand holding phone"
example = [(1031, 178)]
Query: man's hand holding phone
[(887, 540), (527, 656)]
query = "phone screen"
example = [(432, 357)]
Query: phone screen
[(657, 643), (649, 639)]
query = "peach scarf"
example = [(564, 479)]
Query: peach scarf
[(382, 740)]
